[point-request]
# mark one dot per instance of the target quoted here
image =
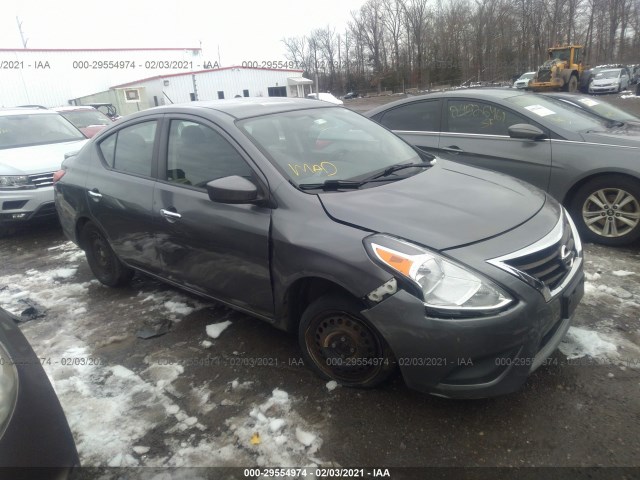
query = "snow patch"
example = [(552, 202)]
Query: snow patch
[(580, 342), (622, 273), (305, 438), (215, 329)]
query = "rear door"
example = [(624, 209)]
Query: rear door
[(219, 249), (416, 122), (476, 132), (120, 191)]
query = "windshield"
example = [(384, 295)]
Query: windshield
[(527, 76), (561, 54), (558, 113), (84, 118), (607, 110), (28, 130), (608, 74), (315, 145)]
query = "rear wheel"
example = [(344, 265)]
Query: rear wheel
[(339, 344), (607, 210), (102, 260)]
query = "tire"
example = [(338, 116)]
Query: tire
[(102, 260), (355, 354), (606, 210), (572, 84)]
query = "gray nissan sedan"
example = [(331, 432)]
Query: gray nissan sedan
[(325, 224), (589, 164)]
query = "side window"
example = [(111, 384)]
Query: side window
[(108, 149), (130, 149), (198, 154), (469, 116), (417, 116)]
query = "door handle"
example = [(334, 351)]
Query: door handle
[(95, 194), (170, 216), (452, 149)]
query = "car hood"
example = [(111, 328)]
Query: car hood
[(36, 159), (447, 206), (605, 81), (626, 137)]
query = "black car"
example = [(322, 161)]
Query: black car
[(587, 163), (33, 429), (351, 95), (325, 224)]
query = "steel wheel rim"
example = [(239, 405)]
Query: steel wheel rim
[(611, 212), (337, 342), (101, 254)]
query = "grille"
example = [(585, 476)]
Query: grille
[(41, 180), (544, 75), (552, 264)]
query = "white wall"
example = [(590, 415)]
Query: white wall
[(230, 81)]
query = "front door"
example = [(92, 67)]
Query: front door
[(219, 249)]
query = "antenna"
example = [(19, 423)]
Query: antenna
[(24, 41)]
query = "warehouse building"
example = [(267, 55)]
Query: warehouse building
[(210, 84)]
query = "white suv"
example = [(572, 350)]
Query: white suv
[(33, 144)]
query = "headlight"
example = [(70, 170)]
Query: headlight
[(8, 389), (446, 286), (10, 182)]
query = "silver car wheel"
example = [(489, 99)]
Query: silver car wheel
[(611, 212)]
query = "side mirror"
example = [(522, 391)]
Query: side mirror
[(526, 132), (233, 189)]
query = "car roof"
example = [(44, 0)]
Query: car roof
[(74, 108), (5, 112), (486, 93), (240, 108)]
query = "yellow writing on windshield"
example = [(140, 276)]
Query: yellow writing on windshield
[(326, 168)]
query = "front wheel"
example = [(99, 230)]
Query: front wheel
[(607, 210), (339, 344), (102, 260), (572, 85)]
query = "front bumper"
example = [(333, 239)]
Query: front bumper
[(603, 89), (18, 206), (475, 357)]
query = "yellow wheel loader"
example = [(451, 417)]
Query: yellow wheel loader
[(561, 71)]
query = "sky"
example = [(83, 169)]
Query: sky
[(241, 31)]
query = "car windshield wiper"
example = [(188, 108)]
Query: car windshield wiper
[(330, 185), (614, 123), (379, 176), (394, 168)]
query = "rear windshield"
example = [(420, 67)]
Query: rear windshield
[(85, 118), (29, 129)]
